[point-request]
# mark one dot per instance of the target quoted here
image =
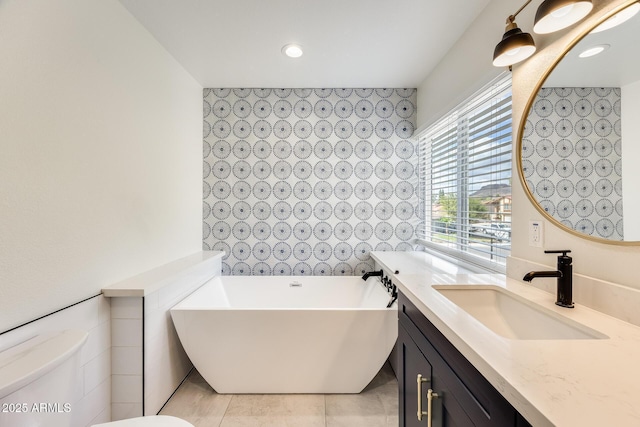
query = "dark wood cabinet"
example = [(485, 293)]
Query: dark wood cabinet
[(463, 396), (445, 411)]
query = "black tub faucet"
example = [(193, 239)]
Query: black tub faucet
[(565, 278), (372, 274)]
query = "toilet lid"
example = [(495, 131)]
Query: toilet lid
[(152, 421)]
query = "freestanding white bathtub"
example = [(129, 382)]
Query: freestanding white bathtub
[(279, 334)]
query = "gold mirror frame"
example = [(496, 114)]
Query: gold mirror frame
[(523, 123)]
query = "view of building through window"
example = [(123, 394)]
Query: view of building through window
[(465, 178)]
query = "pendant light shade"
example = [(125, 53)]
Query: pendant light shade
[(554, 15), (618, 18), (514, 47)]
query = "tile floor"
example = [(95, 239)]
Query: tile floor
[(377, 406)]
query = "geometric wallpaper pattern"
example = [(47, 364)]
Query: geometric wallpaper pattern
[(308, 181), (572, 158)]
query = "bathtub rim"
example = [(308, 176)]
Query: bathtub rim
[(372, 282)]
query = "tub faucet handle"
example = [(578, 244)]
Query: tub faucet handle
[(394, 296), (372, 274)]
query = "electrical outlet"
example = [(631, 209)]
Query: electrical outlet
[(535, 234)]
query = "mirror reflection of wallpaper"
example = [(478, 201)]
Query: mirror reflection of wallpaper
[(308, 181), (571, 158)]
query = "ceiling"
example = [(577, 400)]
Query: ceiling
[(347, 43)]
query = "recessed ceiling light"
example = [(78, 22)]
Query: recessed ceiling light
[(594, 50), (292, 50), (618, 18)]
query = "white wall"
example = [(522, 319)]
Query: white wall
[(148, 362), (630, 110), (100, 171), (467, 67)]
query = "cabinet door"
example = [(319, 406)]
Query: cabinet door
[(445, 410), (411, 362)]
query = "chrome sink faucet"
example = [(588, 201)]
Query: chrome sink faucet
[(564, 297)]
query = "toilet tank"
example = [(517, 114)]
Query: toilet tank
[(38, 379)]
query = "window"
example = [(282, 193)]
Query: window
[(465, 179)]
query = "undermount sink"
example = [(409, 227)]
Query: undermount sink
[(514, 317)]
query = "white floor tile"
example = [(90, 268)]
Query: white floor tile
[(196, 402)]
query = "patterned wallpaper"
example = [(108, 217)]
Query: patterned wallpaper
[(308, 181), (571, 154)]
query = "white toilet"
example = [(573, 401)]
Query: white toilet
[(37, 381), (153, 421)]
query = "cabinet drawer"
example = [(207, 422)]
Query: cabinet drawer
[(480, 401)]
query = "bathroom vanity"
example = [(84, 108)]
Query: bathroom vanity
[(488, 350), (428, 361)]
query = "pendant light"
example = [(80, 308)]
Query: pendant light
[(554, 15), (618, 18), (515, 45)]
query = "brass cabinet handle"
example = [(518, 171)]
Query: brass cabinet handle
[(430, 396), (421, 380)]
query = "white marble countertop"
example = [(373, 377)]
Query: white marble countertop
[(582, 382), (198, 266)]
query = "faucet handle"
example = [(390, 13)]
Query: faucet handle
[(563, 259), (559, 251)]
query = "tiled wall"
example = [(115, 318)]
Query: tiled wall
[(164, 364), (308, 181), (91, 404), (126, 363), (148, 361), (571, 157)]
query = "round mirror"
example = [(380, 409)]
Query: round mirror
[(577, 149)]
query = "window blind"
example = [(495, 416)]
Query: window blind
[(465, 178)]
